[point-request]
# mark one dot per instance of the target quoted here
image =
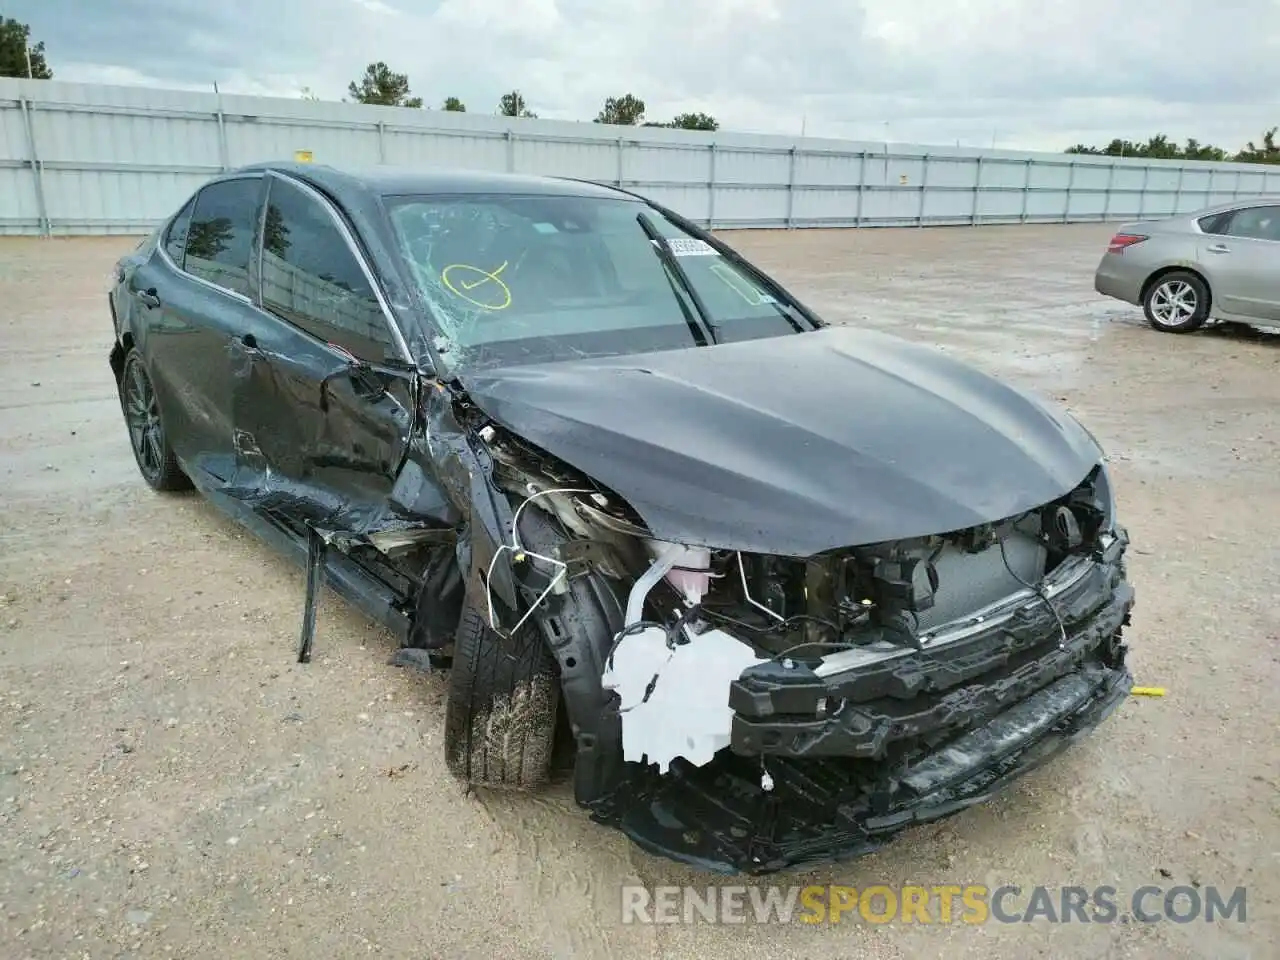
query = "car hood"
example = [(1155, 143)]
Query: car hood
[(796, 444)]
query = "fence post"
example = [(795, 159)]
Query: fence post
[(510, 137), (621, 149), (1071, 182), (1026, 189), (1235, 192), (37, 169), (1106, 203), (1208, 190), (1142, 197), (224, 154), (1177, 191), (977, 190), (791, 188), (382, 142), (924, 189), (862, 187), (711, 188)]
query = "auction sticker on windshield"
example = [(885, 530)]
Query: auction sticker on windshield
[(691, 247)]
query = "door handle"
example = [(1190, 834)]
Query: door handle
[(148, 297), (1219, 248)]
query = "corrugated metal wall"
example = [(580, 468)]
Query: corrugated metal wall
[(78, 159)]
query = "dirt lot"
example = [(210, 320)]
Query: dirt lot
[(173, 784)]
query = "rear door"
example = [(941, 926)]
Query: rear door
[(1241, 255), (197, 292), (323, 414)]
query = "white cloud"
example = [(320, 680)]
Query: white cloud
[(1031, 74)]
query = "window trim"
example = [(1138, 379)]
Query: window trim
[(234, 294), (397, 335)]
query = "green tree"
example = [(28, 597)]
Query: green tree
[(1267, 153), (1194, 150), (383, 86), (454, 105), (15, 47), (512, 105), (695, 121), (306, 93), (626, 110), (1160, 147)]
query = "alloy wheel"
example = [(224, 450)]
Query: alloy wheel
[(142, 414), (1174, 303)]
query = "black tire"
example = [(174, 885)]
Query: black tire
[(504, 695), (147, 436), (1177, 302)]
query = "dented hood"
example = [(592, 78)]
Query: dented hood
[(796, 444)]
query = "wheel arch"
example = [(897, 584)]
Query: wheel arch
[(579, 627)]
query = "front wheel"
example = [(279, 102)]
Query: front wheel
[(504, 695), (156, 461), (1177, 302)]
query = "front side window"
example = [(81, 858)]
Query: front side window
[(1255, 223), (220, 237), (514, 279), (312, 279)]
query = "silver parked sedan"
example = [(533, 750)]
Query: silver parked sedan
[(1221, 263)]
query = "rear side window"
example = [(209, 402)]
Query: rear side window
[(1215, 223), (220, 237), (175, 238), (312, 279)]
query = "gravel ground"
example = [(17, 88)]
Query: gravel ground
[(173, 784)]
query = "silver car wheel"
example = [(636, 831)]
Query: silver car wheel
[(1174, 303)]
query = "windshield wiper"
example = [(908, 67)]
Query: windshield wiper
[(673, 265), (786, 304)]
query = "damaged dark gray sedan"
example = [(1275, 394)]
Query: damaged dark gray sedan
[(779, 589)]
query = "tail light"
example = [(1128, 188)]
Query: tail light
[(1122, 241)]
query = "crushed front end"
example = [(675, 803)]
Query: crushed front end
[(883, 686), (748, 713)]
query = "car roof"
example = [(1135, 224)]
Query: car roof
[(1249, 201), (396, 181)]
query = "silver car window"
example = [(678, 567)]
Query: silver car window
[(1256, 223)]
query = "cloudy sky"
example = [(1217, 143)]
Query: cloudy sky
[(1033, 74)]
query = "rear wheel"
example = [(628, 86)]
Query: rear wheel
[(156, 462), (1177, 302), (504, 696)]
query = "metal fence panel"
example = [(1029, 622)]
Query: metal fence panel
[(78, 158)]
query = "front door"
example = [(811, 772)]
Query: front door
[(1242, 259), (323, 414)]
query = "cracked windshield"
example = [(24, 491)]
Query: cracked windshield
[(540, 278)]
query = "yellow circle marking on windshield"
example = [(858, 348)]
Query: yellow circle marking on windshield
[(465, 280)]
